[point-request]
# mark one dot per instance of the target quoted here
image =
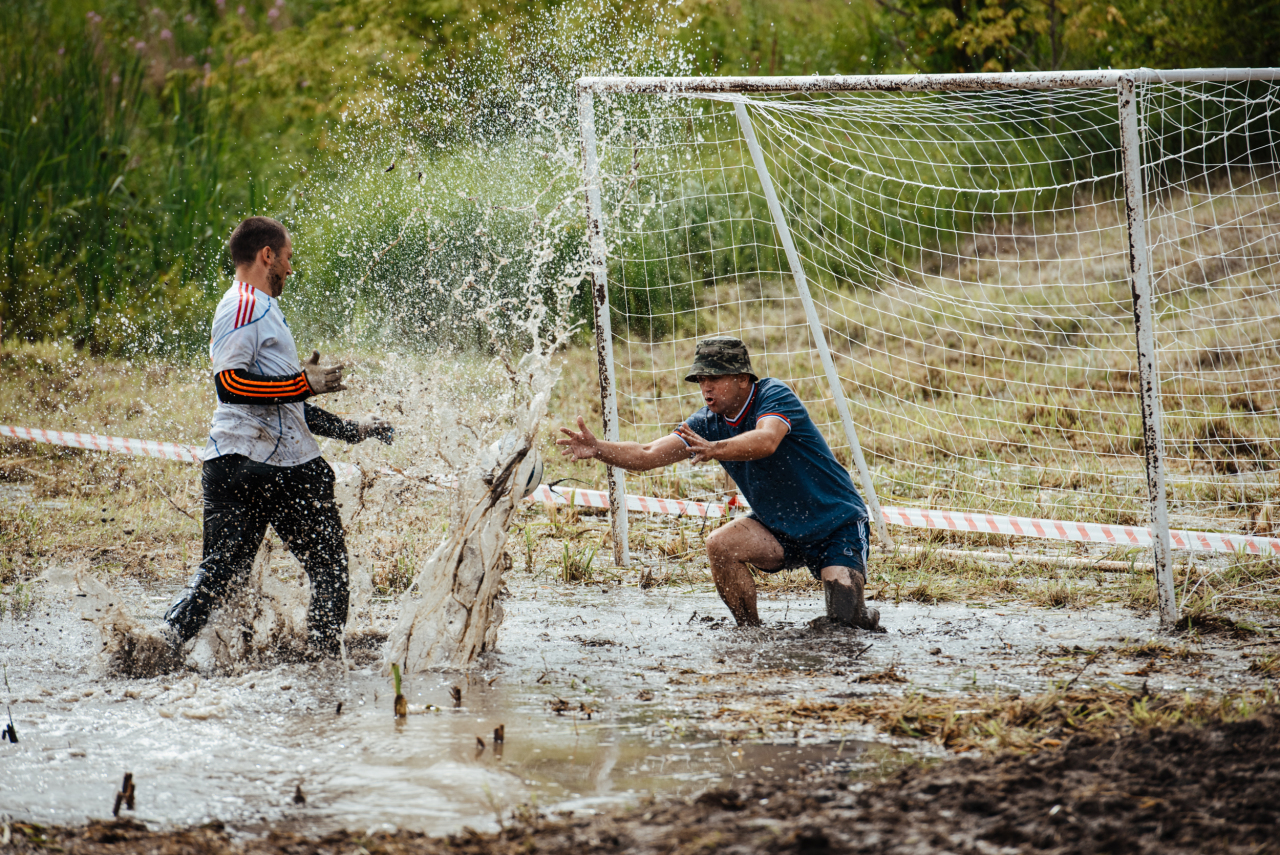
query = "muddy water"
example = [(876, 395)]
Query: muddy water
[(606, 695)]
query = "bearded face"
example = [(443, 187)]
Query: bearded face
[(276, 274), (280, 269)]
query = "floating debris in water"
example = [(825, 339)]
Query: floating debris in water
[(10, 733), (124, 796), (401, 705)]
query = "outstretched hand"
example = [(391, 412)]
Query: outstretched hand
[(580, 446), (377, 428), (700, 450), (322, 379)]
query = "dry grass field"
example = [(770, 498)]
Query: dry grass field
[(141, 518)]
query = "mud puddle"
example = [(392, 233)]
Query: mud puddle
[(604, 694)]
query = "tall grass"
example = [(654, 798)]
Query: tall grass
[(112, 189)]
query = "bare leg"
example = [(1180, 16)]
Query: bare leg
[(845, 604), (730, 549)]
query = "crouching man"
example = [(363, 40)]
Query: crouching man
[(262, 464), (805, 510)]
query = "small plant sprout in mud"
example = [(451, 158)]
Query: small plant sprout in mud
[(401, 705), (10, 733), (575, 566), (1268, 666), (125, 796)]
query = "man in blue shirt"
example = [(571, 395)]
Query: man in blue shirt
[(805, 510)]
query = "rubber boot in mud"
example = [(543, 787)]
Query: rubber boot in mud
[(846, 606), (190, 610)]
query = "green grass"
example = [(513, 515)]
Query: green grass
[(117, 185)]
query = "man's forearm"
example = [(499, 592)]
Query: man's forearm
[(631, 456), (753, 445)]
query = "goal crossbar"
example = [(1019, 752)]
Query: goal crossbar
[(978, 82)]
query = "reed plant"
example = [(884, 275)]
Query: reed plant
[(114, 186)]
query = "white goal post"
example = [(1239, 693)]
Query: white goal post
[(964, 235)]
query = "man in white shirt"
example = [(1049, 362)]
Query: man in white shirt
[(262, 464)]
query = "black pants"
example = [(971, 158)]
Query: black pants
[(241, 497)]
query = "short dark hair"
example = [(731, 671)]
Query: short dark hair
[(252, 235)]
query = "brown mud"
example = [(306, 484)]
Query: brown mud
[(1211, 789)]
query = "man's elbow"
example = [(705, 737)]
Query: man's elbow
[(768, 448)]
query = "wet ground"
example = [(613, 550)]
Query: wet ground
[(606, 695), (1155, 791)]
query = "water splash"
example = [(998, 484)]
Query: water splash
[(457, 616), (452, 214)]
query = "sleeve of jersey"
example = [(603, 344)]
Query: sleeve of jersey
[(779, 402), (234, 344), (323, 423), (237, 386), (696, 423)]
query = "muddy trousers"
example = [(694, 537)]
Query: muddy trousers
[(241, 497)]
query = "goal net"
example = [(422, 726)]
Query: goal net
[(968, 259)]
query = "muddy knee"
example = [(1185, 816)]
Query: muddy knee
[(721, 548)]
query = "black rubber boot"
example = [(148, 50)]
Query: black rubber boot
[(190, 610), (845, 604)]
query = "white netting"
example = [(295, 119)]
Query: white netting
[(968, 256), (1213, 222)]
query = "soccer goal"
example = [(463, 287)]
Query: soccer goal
[(1034, 304)]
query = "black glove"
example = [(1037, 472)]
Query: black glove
[(376, 427)]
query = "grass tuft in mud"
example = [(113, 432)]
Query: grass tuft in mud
[(1011, 722)]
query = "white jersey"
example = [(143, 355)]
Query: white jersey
[(251, 334)]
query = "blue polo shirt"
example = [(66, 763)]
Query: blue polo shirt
[(800, 490)]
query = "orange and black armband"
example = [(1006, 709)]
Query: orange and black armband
[(237, 386)]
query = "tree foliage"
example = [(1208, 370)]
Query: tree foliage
[(135, 133)]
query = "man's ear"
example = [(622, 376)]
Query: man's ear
[(264, 255)]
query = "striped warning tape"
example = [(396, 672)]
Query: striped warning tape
[(1121, 535), (118, 444), (126, 445), (642, 504)]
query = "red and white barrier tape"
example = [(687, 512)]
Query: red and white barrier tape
[(118, 444), (126, 445), (1122, 535)]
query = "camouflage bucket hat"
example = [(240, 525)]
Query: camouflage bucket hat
[(716, 357)]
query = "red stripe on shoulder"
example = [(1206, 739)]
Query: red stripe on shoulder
[(240, 304), (248, 302)]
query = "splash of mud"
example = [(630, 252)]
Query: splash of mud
[(124, 644), (261, 622), (457, 615)]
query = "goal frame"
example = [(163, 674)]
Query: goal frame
[(1123, 81)]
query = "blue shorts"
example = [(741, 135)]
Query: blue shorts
[(847, 546)]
